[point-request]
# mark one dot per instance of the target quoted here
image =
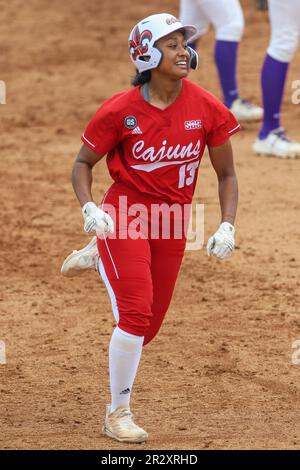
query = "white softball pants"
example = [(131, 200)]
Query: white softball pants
[(285, 29), (226, 16)]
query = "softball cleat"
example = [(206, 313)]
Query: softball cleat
[(119, 425), (278, 145), (80, 260), (245, 111)]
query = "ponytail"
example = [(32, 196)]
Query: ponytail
[(141, 78)]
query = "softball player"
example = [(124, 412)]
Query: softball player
[(285, 30), (154, 136), (227, 18)]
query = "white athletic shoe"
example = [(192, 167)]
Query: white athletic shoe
[(245, 111), (78, 261), (277, 144), (119, 425)]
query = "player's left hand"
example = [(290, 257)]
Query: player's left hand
[(221, 244)]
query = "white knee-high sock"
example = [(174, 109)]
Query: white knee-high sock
[(125, 352)]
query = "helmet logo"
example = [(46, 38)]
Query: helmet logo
[(139, 44), (172, 20)]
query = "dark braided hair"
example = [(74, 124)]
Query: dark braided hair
[(141, 78)]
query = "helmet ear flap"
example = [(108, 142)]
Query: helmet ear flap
[(154, 59), (194, 58), (161, 55)]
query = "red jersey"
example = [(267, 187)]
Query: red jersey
[(156, 151)]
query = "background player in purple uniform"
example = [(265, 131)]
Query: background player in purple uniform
[(285, 30), (227, 18)]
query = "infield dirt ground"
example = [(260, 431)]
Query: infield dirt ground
[(220, 373)]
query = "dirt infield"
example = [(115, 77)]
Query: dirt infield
[(219, 375)]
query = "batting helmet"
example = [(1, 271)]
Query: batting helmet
[(144, 35)]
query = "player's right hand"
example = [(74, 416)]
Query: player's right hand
[(96, 219)]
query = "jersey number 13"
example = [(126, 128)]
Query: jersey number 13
[(187, 174)]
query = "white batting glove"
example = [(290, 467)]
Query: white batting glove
[(96, 219), (221, 244)]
